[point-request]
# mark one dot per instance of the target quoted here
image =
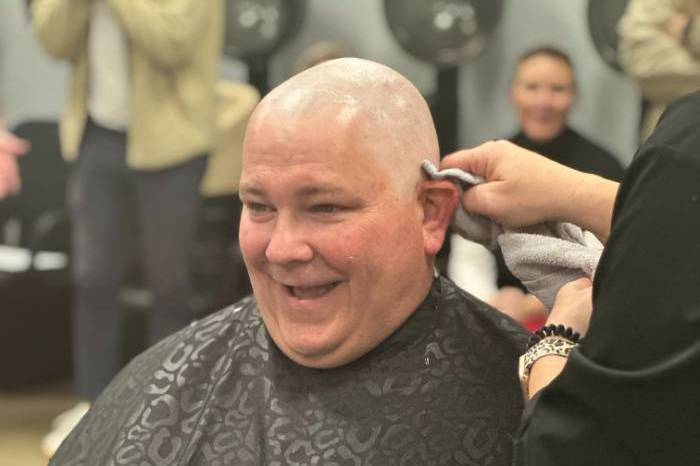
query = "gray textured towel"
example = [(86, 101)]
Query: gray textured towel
[(544, 257)]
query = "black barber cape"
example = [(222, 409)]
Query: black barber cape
[(442, 390), (573, 150), (631, 395)]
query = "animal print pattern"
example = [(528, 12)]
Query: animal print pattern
[(442, 390)]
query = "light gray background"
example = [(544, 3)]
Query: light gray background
[(33, 86)]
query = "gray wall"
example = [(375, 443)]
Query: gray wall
[(32, 86), (608, 106)]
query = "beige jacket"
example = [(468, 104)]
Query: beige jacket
[(236, 103), (175, 47), (663, 68)]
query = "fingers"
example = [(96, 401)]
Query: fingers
[(12, 145), (9, 175), (479, 161), (479, 200), (578, 285), (573, 306)]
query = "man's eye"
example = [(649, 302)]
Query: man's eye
[(325, 209), (258, 208)]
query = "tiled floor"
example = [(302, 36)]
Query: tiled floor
[(25, 416)]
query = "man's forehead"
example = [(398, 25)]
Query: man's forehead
[(354, 177), (297, 189)]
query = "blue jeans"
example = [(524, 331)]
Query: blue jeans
[(115, 209)]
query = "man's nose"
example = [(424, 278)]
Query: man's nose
[(288, 243), (543, 96)]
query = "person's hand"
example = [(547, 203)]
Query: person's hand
[(524, 188), (520, 306), (11, 147), (675, 26), (508, 300), (521, 187), (573, 306)]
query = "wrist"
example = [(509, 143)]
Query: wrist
[(543, 371), (590, 205), (554, 330), (551, 346)]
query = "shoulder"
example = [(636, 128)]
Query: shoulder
[(481, 319), (190, 355), (202, 342), (595, 158), (679, 126), (670, 153), (163, 389)]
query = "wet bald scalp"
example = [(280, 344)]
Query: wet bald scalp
[(388, 112)]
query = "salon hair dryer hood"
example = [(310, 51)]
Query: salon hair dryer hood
[(256, 29), (603, 16), (443, 32)]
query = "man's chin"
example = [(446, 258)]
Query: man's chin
[(543, 134), (315, 353)]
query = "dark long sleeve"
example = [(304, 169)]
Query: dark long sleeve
[(631, 393)]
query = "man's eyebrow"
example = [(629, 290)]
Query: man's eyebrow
[(305, 191), (250, 191), (313, 190)]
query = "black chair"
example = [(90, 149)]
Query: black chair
[(35, 343)]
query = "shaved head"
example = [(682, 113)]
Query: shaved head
[(359, 99), (339, 227)]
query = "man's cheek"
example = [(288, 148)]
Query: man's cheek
[(352, 245), (252, 242)]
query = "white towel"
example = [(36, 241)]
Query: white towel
[(544, 257)]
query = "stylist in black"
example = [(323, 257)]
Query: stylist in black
[(630, 393)]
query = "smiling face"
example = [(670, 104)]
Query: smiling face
[(543, 93), (335, 251)]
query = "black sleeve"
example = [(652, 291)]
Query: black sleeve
[(631, 393), (610, 168)]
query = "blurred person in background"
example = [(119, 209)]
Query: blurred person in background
[(139, 123), (543, 92), (659, 48)]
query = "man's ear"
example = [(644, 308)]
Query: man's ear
[(438, 200)]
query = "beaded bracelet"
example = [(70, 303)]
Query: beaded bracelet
[(553, 330)]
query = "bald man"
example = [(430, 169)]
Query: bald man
[(351, 350)]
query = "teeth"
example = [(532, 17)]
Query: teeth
[(310, 292)]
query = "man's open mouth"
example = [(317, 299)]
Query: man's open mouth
[(311, 292)]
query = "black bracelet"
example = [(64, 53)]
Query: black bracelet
[(553, 330)]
